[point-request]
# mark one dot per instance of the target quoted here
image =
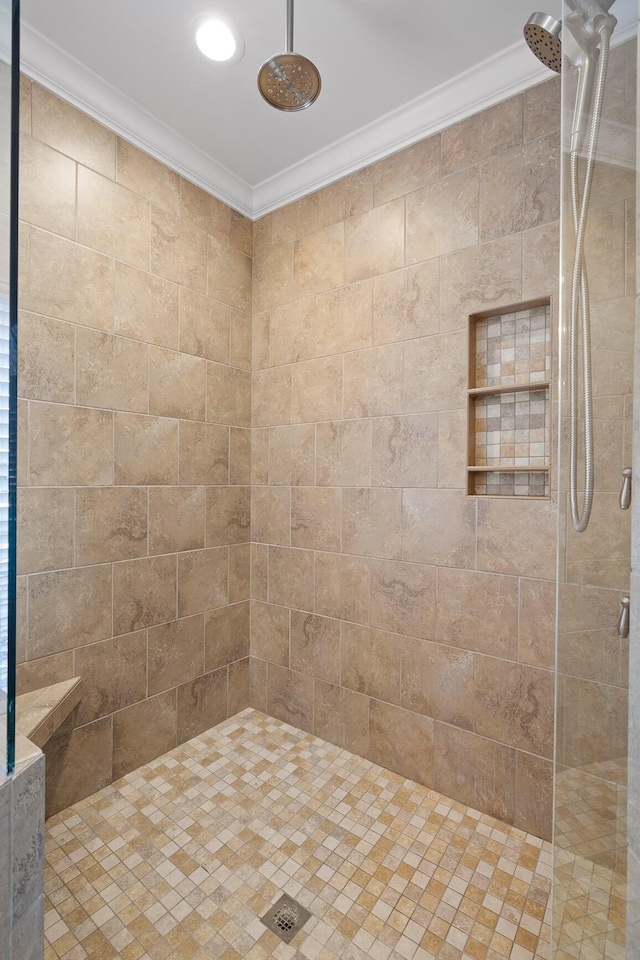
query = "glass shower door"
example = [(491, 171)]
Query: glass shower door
[(9, 110), (590, 808)]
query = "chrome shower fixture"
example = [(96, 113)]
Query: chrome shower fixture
[(289, 81), (586, 36), (542, 33)]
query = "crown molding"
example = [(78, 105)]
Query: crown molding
[(61, 73), (502, 76), (507, 73), (498, 78)]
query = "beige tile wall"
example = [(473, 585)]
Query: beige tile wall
[(390, 613), (135, 357), (22, 855)]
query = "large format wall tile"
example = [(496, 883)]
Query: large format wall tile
[(292, 332), (110, 524), (73, 133), (145, 450), (177, 385), (178, 251), (480, 278), (372, 522), (403, 598), (143, 731), (134, 418), (144, 592), (443, 216), (316, 518), (114, 673), (204, 211), (371, 662), (228, 274), (291, 455), (438, 526), (385, 613), (112, 220), (478, 611), (344, 319), (203, 581), (318, 262), (202, 703), (317, 390), (519, 189), (374, 242), (402, 742), (435, 371), (270, 632), (70, 282), (70, 446), (147, 177), (78, 763), (517, 538), (514, 705), (176, 519), (359, 467), (205, 326), (290, 696), (315, 646), (405, 451), (46, 359), (146, 307), (469, 766), (438, 681), (407, 170), (45, 521), (341, 716), (110, 372), (482, 136), (68, 608), (175, 653), (343, 453), (204, 453), (52, 209), (342, 587), (406, 303), (373, 382), (227, 635)]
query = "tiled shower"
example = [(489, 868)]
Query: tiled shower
[(169, 449), (291, 508)]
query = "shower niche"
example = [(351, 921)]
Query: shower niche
[(508, 401)]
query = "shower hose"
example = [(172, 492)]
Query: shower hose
[(580, 312)]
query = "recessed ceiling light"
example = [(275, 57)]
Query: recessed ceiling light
[(218, 42)]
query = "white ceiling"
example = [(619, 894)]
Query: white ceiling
[(392, 71)]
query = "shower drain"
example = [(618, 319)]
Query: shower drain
[(286, 918)]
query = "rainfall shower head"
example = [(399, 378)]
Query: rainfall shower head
[(289, 81), (542, 33)]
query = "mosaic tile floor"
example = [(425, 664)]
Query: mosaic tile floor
[(591, 837), (180, 858), (590, 908)]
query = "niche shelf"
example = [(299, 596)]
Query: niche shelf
[(508, 401)]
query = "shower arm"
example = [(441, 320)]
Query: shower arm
[(288, 37)]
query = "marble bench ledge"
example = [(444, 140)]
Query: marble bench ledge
[(41, 712)]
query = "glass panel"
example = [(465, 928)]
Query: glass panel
[(590, 828), (9, 98)]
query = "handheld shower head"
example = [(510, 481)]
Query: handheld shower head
[(588, 27), (542, 33)]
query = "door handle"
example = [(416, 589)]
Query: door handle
[(623, 622), (625, 492)]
